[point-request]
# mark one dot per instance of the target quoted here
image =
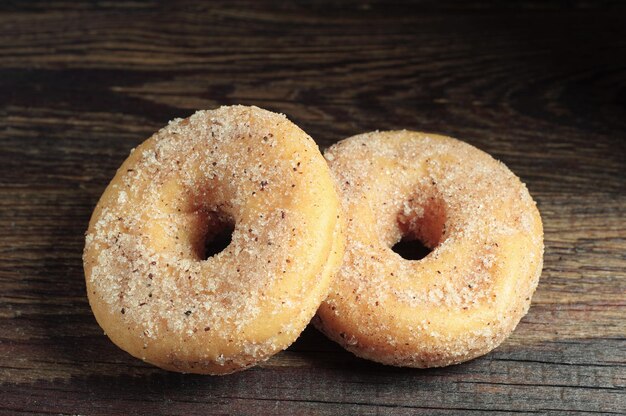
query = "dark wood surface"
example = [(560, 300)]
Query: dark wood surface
[(541, 86)]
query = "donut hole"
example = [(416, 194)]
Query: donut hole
[(218, 242), (421, 228), (216, 235), (411, 249)]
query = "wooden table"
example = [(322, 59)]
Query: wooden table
[(541, 88)]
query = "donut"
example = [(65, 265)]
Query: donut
[(151, 285), (477, 218)]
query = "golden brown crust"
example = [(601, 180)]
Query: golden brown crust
[(469, 293), (148, 284)]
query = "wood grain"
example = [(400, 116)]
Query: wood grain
[(542, 87)]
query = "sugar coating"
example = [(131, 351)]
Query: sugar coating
[(470, 292), (148, 283)]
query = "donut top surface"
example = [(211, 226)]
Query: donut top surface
[(149, 284), (481, 224)]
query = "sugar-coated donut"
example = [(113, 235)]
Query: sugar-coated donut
[(149, 285), (466, 296)]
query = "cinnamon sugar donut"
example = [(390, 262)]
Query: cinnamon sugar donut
[(466, 296), (149, 285)]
